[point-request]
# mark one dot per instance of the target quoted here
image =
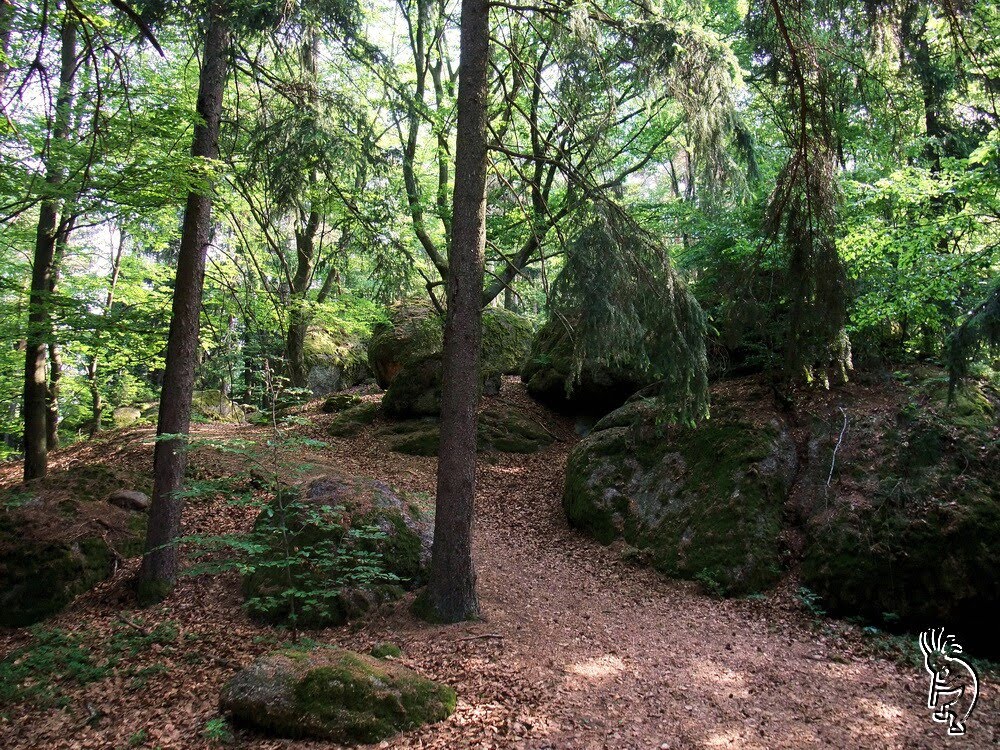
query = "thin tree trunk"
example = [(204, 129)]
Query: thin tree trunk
[(305, 236), (6, 24), (452, 590), (55, 354), (96, 402), (160, 562), (39, 319)]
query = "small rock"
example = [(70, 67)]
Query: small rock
[(130, 500)]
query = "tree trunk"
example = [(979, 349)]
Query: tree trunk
[(39, 323), (452, 590), (309, 219), (6, 23), (55, 355), (96, 402), (160, 562)]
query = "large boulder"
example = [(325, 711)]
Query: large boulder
[(405, 354), (334, 360), (702, 503), (598, 388), (414, 329), (501, 429), (215, 406), (903, 512), (58, 538), (506, 340), (334, 694), (334, 549)]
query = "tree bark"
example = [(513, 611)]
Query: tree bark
[(39, 317), (96, 402), (6, 24), (452, 590), (55, 355), (160, 562)]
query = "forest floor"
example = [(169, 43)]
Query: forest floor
[(577, 649)]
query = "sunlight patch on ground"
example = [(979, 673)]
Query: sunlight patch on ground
[(598, 667), (713, 672)]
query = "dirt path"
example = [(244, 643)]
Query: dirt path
[(578, 649)]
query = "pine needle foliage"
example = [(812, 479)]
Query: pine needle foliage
[(634, 310), (979, 332), (801, 217)]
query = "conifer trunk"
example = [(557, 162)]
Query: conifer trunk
[(39, 312), (452, 589), (160, 562)]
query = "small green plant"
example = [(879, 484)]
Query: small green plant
[(386, 651), (138, 738), (217, 730), (811, 601), (710, 583), (304, 560), (54, 658)]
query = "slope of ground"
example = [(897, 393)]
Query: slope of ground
[(577, 650)]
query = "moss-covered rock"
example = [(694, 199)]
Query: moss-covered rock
[(506, 340), (909, 533), (548, 374), (335, 359), (339, 402), (417, 390), (333, 694), (59, 538), (126, 416), (351, 421), (215, 406), (414, 330), (503, 429), (366, 543), (405, 354), (702, 503)]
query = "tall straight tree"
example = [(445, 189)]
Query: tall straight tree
[(452, 589), (160, 562), (46, 238)]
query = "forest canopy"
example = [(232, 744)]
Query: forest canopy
[(793, 187)]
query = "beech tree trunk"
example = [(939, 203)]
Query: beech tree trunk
[(39, 318), (451, 593), (160, 562)]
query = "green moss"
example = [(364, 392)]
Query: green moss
[(702, 503), (339, 402), (506, 340), (923, 549), (413, 330), (386, 651), (350, 422), (550, 376), (338, 695), (416, 391)]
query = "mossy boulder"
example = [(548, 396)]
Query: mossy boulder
[(548, 374), (506, 340), (351, 421), (126, 416), (334, 694), (406, 354), (702, 503), (215, 406), (502, 429), (344, 545), (414, 329), (58, 538), (335, 359), (339, 402), (908, 533)]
